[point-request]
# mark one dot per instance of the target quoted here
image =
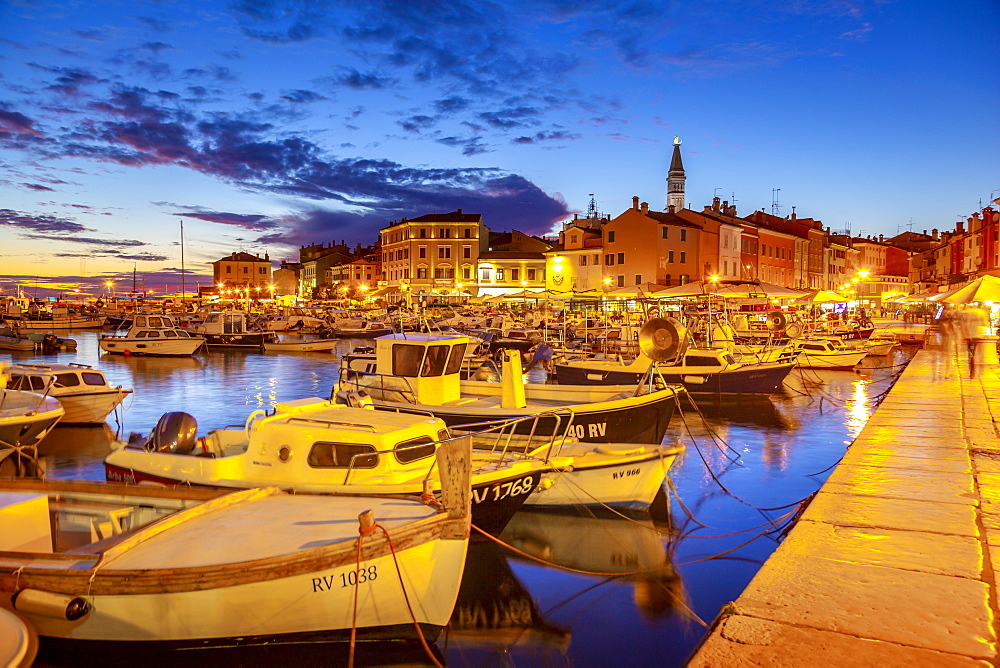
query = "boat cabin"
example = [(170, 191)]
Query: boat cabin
[(38, 377), (225, 322), (430, 364)]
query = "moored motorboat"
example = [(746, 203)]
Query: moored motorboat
[(231, 330), (827, 353), (360, 328), (11, 340), (84, 392), (152, 335), (94, 563), (881, 343), (25, 419), (594, 430), (313, 445)]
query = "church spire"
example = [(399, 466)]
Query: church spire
[(675, 179)]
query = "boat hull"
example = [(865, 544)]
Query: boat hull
[(762, 379), (845, 360), (307, 346), (180, 347), (627, 420), (91, 408), (250, 341), (26, 418)]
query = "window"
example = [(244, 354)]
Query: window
[(582, 260), (406, 360), (611, 236), (499, 273), (421, 272), (468, 233), (683, 257), (423, 233), (434, 362), (444, 234), (670, 256), (229, 269), (467, 252), (621, 258), (685, 279), (573, 239), (531, 274), (261, 270), (684, 235), (666, 280), (515, 274), (725, 267), (246, 270), (485, 274), (609, 259), (413, 449), (664, 232), (341, 456), (638, 279), (444, 252), (456, 358), (422, 252), (68, 380), (621, 281), (597, 260)]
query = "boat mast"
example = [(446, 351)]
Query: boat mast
[(182, 260)]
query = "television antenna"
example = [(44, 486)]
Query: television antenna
[(775, 204)]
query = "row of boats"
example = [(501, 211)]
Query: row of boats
[(344, 517)]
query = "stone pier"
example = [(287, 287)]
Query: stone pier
[(895, 561)]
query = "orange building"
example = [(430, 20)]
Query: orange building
[(651, 246)]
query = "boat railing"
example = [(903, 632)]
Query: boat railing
[(519, 437), (378, 385)]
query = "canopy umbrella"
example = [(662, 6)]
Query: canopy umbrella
[(639, 290), (687, 290), (941, 296), (984, 289), (768, 290), (821, 296), (915, 298)]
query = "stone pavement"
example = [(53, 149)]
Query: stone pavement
[(895, 560)]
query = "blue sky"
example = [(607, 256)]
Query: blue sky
[(265, 125)]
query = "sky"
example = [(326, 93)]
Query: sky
[(265, 125)]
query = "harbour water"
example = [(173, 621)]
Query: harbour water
[(577, 588)]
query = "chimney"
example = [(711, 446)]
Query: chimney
[(635, 202), (715, 204), (708, 208), (881, 238), (934, 234), (925, 233), (793, 214), (458, 211), (959, 227), (644, 207)]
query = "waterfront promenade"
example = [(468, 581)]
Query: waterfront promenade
[(895, 561)]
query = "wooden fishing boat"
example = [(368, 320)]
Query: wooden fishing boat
[(96, 563), (84, 392), (313, 445), (152, 335)]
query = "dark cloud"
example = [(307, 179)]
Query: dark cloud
[(541, 137), (37, 187), (156, 47), (92, 35), (352, 78), (301, 96), (90, 241), (39, 223), (68, 80), (16, 122), (417, 123), (250, 222), (157, 24), (451, 104), (511, 117), (469, 145)]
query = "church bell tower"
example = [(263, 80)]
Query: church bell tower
[(675, 179)]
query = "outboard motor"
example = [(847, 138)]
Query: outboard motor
[(175, 433)]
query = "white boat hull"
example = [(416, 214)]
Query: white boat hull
[(317, 602), (845, 360), (59, 323), (91, 408), (167, 347), (306, 346), (620, 475)]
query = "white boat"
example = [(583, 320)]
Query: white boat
[(233, 330), (360, 328), (179, 567), (151, 335), (881, 342), (301, 346), (608, 468), (25, 419), (82, 390), (827, 353), (314, 445), (11, 340)]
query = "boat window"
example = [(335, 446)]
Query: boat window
[(406, 360), (91, 378), (457, 355), (513, 334), (414, 449), (814, 346), (435, 361), (170, 334), (698, 360), (67, 380), (29, 383), (342, 456), (729, 359)]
